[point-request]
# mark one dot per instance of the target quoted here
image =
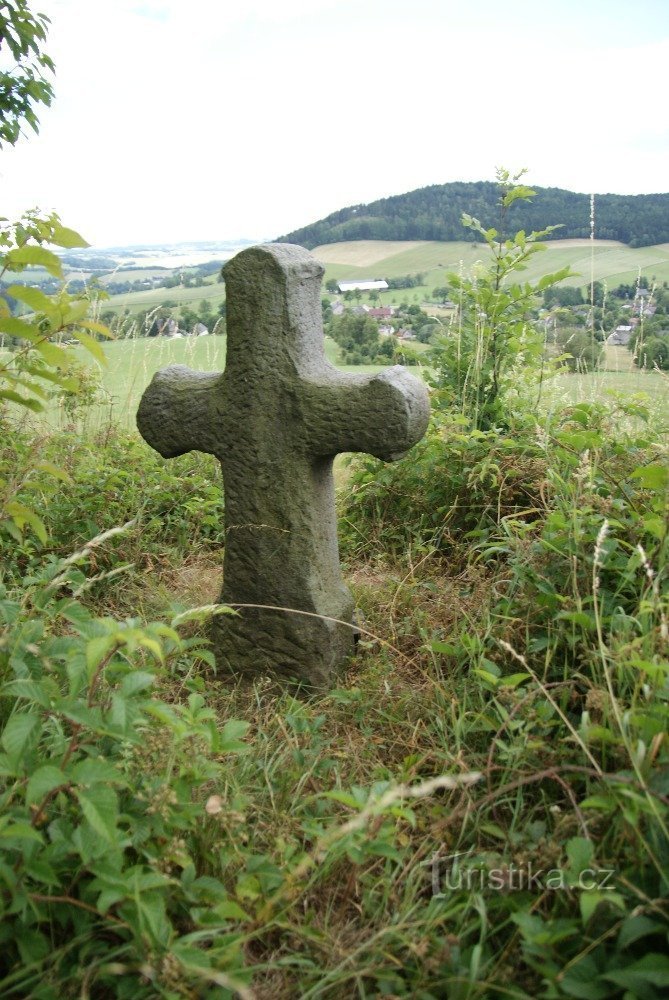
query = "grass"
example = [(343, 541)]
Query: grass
[(133, 362), (170, 832), (619, 376), (150, 298), (613, 263), (464, 676)]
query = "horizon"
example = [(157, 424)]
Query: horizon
[(195, 135), (242, 241)]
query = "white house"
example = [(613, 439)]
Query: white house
[(367, 285)]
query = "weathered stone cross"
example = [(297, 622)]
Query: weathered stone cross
[(275, 419)]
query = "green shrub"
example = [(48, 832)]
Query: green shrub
[(101, 482), (97, 880)]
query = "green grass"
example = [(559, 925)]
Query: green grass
[(611, 258), (132, 363), (151, 298), (611, 262), (480, 657)]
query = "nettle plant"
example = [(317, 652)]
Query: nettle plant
[(494, 343)]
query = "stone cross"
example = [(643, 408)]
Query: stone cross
[(275, 419)]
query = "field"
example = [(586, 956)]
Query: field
[(212, 290), (611, 261), (605, 260), (133, 362)]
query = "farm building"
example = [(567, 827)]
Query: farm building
[(380, 312), (621, 335), (367, 285)]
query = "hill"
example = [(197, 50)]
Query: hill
[(605, 260), (435, 213)]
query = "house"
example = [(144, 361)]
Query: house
[(367, 285), (621, 335), (381, 312)]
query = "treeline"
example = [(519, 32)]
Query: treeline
[(435, 213)]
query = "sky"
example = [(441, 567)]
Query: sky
[(185, 120)]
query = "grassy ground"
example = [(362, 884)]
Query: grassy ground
[(369, 841), (612, 261), (607, 260), (133, 362)]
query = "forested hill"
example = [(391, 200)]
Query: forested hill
[(434, 213)]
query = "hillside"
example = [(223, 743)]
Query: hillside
[(605, 260), (435, 213)]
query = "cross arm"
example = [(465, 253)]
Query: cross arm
[(383, 415), (180, 411)]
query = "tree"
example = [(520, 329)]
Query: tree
[(653, 353), (326, 310), (23, 86), (583, 351), (475, 367), (351, 331)]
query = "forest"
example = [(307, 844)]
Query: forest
[(435, 213)]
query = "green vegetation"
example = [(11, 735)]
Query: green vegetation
[(606, 261), (25, 84), (434, 213), (480, 808)]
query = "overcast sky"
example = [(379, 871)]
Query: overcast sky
[(212, 119)]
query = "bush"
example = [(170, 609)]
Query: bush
[(103, 482), (98, 886)]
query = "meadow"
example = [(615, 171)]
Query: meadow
[(609, 260), (132, 363), (605, 260)]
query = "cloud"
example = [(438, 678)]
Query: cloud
[(210, 119)]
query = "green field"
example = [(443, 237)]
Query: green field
[(133, 362), (213, 291), (604, 260)]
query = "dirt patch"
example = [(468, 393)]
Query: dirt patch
[(195, 582)]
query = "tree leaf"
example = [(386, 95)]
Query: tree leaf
[(96, 650), (91, 345), (22, 515), (32, 297), (37, 256), (233, 731), (20, 832), (652, 477), (100, 328), (53, 354), (14, 397), (67, 238)]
